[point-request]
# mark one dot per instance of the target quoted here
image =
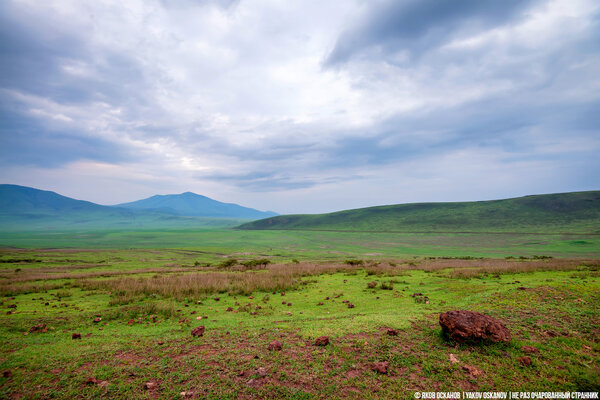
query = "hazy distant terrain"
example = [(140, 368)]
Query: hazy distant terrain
[(25, 208)]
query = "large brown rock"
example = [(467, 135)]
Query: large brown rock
[(471, 326)]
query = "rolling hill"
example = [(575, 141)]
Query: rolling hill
[(577, 212), (24, 208), (192, 204)]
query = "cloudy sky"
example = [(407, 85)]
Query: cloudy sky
[(300, 105)]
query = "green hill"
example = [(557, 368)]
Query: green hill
[(577, 212)]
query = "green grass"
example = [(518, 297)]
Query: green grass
[(214, 244), (550, 304), (577, 212)]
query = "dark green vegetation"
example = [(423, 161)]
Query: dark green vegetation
[(191, 204), (146, 302), (552, 213), (23, 208)]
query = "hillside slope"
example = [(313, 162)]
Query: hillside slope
[(192, 204), (577, 212)]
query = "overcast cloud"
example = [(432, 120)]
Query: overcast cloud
[(301, 106)]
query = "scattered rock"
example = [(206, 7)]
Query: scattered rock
[(350, 305), (289, 304), (453, 359), (42, 328), (198, 331), (530, 349), (283, 293), (229, 309), (463, 325), (131, 322), (475, 372), (217, 299), (97, 319), (250, 297), (521, 288), (322, 341), (199, 302), (392, 332), (76, 336), (7, 373), (275, 345), (160, 343), (320, 303), (103, 384), (380, 367), (150, 385), (284, 302), (91, 381), (261, 372), (416, 294), (524, 361)]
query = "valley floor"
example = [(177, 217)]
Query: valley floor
[(135, 310)]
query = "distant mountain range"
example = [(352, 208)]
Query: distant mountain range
[(577, 212), (23, 208), (192, 204)]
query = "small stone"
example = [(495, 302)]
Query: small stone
[(91, 381), (39, 328), (322, 341), (453, 359), (289, 304), (380, 367), (76, 336), (97, 319), (217, 299), (150, 385), (392, 332), (350, 305), (530, 349), (275, 346), (160, 343), (471, 370), (198, 331), (229, 309), (261, 372), (320, 303), (524, 361)]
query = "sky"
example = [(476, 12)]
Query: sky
[(300, 106)]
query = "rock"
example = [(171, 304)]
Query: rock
[(524, 361), (76, 336), (217, 299), (380, 367), (275, 345), (350, 305), (320, 303), (261, 372), (160, 343), (284, 302), (229, 309), (453, 359), (91, 381), (322, 341), (530, 349), (150, 385), (463, 325), (521, 288), (289, 304), (198, 331), (131, 322), (103, 384), (471, 370), (7, 373), (97, 319), (39, 328), (392, 332)]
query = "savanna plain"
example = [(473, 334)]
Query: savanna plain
[(110, 314)]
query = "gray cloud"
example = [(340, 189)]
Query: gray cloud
[(419, 25), (234, 97)]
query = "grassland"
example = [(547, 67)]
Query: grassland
[(149, 300)]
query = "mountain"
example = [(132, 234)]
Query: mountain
[(192, 204), (25, 208), (577, 212)]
